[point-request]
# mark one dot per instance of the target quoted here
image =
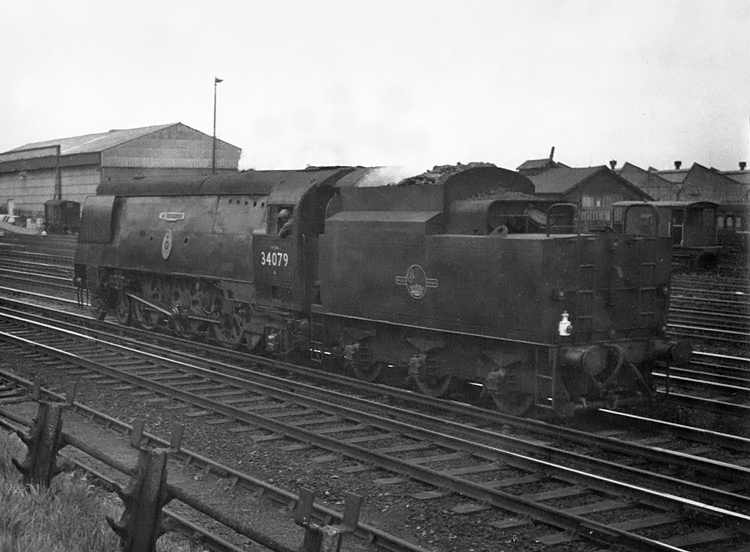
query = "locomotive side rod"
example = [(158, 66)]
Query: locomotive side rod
[(171, 313)]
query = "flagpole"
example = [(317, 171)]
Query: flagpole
[(213, 157)]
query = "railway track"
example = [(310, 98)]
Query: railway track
[(695, 387), (494, 470), (713, 382), (681, 382), (709, 308), (15, 390)]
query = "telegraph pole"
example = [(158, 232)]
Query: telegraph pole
[(217, 80)]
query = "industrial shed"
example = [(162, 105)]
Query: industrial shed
[(659, 188), (72, 168), (698, 183), (592, 189), (708, 184)]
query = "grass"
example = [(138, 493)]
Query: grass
[(67, 517)]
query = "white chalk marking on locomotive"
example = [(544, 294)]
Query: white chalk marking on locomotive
[(171, 216), (416, 281), (166, 245)]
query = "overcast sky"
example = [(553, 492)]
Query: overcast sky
[(390, 82)]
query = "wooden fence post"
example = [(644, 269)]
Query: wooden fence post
[(146, 494), (43, 441)]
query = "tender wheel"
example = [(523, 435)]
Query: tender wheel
[(148, 319), (123, 308), (435, 386), (513, 404), (368, 371)]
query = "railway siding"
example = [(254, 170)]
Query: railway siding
[(518, 490)]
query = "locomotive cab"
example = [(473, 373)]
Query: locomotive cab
[(285, 260)]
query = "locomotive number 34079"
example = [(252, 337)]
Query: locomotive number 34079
[(272, 258)]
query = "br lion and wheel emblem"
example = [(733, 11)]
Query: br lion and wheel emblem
[(416, 281)]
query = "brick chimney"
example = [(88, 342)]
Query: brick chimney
[(743, 164), (612, 164), (677, 165)]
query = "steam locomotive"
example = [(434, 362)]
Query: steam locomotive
[(457, 276)]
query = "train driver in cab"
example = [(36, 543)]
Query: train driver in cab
[(285, 223)]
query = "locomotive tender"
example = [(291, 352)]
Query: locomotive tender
[(455, 278)]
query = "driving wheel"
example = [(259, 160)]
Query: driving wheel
[(148, 318), (123, 308)]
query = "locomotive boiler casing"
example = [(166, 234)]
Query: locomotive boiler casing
[(182, 251), (175, 228)]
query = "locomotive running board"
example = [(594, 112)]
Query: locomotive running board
[(171, 313)]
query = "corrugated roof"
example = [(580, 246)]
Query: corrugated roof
[(93, 143), (562, 179)]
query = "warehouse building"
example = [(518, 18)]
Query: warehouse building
[(72, 168)]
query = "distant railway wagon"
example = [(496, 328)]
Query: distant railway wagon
[(461, 279), (692, 227), (62, 216), (732, 230)]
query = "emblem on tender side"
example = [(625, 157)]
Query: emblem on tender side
[(416, 281), (166, 245)]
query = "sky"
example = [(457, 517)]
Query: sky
[(415, 83)]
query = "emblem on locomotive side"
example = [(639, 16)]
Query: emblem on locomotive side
[(416, 281), (166, 245)]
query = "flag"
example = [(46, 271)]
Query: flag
[(217, 80)]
